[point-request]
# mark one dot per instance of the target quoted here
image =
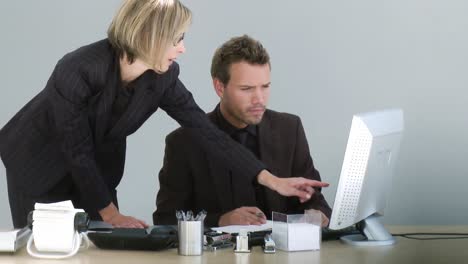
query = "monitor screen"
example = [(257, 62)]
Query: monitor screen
[(365, 179)]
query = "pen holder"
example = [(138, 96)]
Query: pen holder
[(190, 238)]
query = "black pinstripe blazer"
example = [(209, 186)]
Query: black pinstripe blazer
[(211, 186), (65, 130)]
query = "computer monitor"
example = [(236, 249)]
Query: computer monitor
[(365, 179)]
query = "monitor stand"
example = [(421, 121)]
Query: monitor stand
[(375, 234)]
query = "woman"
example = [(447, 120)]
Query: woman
[(69, 141)]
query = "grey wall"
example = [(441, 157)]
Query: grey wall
[(330, 59)]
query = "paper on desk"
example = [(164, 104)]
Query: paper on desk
[(249, 228), (64, 205), (53, 226), (12, 240)]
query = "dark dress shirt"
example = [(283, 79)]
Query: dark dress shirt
[(248, 137)]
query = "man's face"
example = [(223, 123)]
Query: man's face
[(245, 97)]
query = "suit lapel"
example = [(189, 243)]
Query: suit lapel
[(140, 106), (233, 192), (221, 177), (104, 102), (231, 189), (268, 140)]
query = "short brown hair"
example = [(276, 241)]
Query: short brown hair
[(144, 29), (237, 49)]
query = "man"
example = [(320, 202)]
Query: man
[(191, 180)]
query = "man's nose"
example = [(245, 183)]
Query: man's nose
[(259, 96)]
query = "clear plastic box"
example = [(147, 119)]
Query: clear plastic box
[(297, 232)]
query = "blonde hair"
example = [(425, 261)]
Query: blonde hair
[(145, 29)]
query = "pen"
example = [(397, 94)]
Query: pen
[(200, 216), (189, 215), (179, 215)]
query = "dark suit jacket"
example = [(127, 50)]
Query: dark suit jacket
[(191, 179), (65, 130)]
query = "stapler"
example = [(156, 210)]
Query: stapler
[(242, 242), (269, 247)]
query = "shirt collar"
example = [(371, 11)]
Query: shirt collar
[(229, 128)]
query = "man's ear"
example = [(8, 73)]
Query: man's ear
[(219, 87)]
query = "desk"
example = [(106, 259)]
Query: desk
[(404, 251)]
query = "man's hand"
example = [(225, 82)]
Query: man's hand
[(243, 216), (297, 186), (111, 215)]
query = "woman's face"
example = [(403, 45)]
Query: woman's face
[(173, 52)]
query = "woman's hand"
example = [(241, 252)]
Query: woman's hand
[(111, 215), (297, 186), (121, 220)]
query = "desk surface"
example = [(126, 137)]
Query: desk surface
[(404, 251)]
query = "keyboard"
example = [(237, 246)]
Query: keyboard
[(156, 238), (330, 234)]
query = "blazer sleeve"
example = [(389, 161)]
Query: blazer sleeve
[(70, 93), (303, 166), (178, 102), (175, 182)]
